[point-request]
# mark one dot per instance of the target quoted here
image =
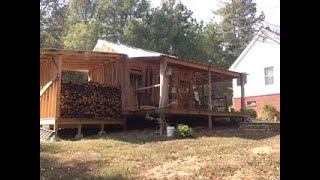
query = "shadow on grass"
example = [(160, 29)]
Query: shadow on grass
[(148, 136), (50, 168)]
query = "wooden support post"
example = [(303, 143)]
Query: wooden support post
[(101, 132), (210, 121), (79, 128), (210, 92), (124, 83), (79, 135), (125, 124), (210, 99), (242, 92), (55, 128), (164, 82), (202, 103), (58, 80), (226, 103)]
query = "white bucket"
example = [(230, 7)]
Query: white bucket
[(170, 131)]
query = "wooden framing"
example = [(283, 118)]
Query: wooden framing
[(102, 68), (158, 77)]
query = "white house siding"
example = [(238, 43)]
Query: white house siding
[(259, 56)]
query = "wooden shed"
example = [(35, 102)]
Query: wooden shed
[(149, 82), (181, 87), (104, 68)]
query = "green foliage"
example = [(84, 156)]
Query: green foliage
[(251, 113), (74, 76), (81, 36), (52, 23), (184, 131), (269, 112)]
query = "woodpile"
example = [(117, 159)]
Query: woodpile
[(89, 100)]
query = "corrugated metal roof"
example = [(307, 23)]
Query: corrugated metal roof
[(129, 50)]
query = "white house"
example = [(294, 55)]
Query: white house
[(261, 62)]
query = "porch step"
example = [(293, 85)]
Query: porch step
[(46, 134)]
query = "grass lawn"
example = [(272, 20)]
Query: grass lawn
[(215, 154)]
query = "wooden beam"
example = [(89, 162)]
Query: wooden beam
[(47, 86), (164, 82), (74, 121), (59, 77), (202, 67), (242, 92), (149, 87)]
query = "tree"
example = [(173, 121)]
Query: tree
[(237, 27), (114, 15), (52, 23), (81, 36), (169, 29)]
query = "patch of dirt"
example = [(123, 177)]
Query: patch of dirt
[(263, 150), (241, 175), (174, 169)]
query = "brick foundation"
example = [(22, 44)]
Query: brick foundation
[(273, 99)]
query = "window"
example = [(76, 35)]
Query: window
[(245, 80), (268, 75), (251, 103), (135, 78)]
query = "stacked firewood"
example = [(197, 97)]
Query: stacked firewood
[(89, 100)]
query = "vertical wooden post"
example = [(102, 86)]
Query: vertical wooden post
[(210, 121), (210, 93), (124, 83), (242, 92), (210, 99), (164, 93), (101, 127), (79, 129), (55, 128), (202, 98), (226, 103), (58, 81), (125, 124)]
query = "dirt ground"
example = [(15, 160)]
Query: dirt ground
[(226, 154)]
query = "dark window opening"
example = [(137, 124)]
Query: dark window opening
[(251, 103), (136, 78)]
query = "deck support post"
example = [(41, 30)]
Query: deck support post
[(55, 129), (242, 75), (101, 132), (125, 124), (79, 135), (210, 121)]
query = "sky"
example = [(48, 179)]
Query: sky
[(202, 9)]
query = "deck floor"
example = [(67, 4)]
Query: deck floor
[(188, 112)]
